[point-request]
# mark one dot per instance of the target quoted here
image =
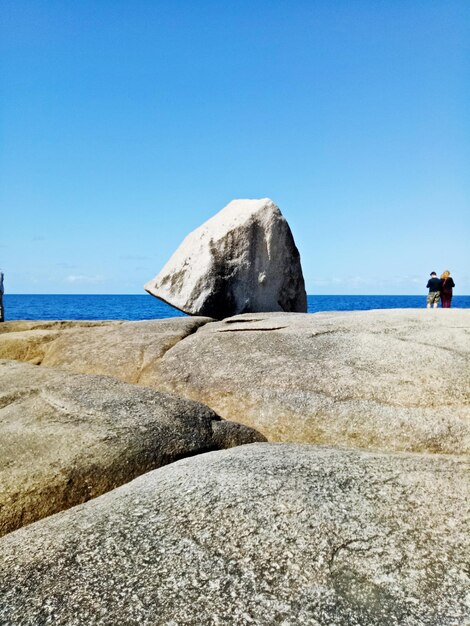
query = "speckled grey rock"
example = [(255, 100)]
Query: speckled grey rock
[(66, 438), (391, 379), (262, 534), (243, 259)]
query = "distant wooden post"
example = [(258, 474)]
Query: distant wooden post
[(2, 310)]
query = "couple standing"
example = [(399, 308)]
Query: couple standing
[(440, 289)]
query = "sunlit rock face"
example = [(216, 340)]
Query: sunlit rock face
[(367, 379), (66, 438), (242, 260)]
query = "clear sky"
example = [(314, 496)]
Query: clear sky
[(127, 123)]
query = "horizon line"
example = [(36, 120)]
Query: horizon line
[(385, 295)]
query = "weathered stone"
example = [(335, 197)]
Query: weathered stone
[(66, 438), (243, 259), (393, 380), (125, 350), (262, 534)]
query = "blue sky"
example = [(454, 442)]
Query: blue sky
[(126, 124)]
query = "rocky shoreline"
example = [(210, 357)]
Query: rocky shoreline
[(352, 511)]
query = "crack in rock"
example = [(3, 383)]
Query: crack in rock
[(246, 330), (345, 545)]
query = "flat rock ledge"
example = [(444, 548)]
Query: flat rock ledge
[(66, 438), (261, 534), (388, 379), (124, 350)]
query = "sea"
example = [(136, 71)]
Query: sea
[(145, 307)]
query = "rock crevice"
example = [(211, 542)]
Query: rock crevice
[(67, 438)]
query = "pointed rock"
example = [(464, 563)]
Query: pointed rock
[(242, 260)]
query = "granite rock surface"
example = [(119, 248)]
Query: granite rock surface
[(66, 438), (394, 380), (261, 534), (125, 350), (243, 259), (390, 379)]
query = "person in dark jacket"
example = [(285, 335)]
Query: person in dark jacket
[(434, 295), (446, 287)]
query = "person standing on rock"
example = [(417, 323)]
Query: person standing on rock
[(446, 287), (434, 286), (2, 310)]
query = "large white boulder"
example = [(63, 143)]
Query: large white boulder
[(242, 260)]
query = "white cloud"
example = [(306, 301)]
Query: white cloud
[(80, 278), (323, 282)]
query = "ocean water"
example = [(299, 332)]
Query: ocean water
[(144, 307)]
